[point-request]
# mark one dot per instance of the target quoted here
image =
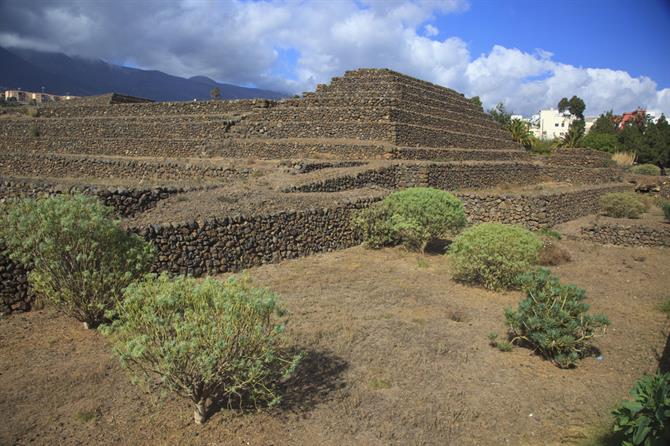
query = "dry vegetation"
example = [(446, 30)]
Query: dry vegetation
[(397, 354)]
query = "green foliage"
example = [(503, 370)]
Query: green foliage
[(477, 102), (665, 206), (543, 146), (520, 131), (573, 137), (607, 142), (550, 233), (215, 93), (203, 339), (645, 419), (553, 319), (575, 105), (411, 217), (605, 124), (34, 130), (646, 169), (494, 254), (649, 140), (81, 258), (622, 205), (500, 114), (665, 306)]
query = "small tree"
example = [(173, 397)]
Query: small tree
[(215, 93), (81, 258), (521, 133), (575, 105), (477, 102), (203, 340), (575, 134), (500, 114)]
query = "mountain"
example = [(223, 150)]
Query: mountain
[(59, 73)]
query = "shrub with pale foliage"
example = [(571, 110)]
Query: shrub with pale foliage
[(205, 340)]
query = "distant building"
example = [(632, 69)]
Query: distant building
[(30, 96), (552, 124)]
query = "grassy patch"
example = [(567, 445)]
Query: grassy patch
[(665, 306), (380, 384), (86, 416)]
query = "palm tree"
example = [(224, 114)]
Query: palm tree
[(573, 138), (520, 131)]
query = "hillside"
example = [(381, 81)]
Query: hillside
[(60, 74)]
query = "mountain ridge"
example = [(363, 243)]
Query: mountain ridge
[(59, 73)]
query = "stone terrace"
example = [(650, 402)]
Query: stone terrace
[(225, 185)]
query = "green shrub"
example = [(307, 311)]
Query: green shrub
[(202, 339), (622, 205), (553, 319), (645, 420), (81, 258), (646, 169), (412, 217), (34, 130), (494, 254), (666, 209)]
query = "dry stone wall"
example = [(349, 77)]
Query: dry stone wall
[(54, 165), (455, 176), (627, 234), (232, 243), (126, 202), (536, 211)]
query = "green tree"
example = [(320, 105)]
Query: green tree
[(605, 124), (215, 93), (500, 114), (521, 133), (575, 105), (607, 142), (573, 137), (477, 102)]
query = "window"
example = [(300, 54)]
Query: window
[(563, 124), (556, 125)]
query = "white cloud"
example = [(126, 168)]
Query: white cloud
[(430, 31), (240, 42)]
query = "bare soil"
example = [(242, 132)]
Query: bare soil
[(397, 354)]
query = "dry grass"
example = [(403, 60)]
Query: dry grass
[(624, 159)]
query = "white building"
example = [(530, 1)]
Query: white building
[(551, 124)]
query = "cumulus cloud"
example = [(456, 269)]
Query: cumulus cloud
[(244, 43)]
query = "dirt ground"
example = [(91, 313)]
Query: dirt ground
[(397, 354)]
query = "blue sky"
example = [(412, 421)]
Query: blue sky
[(526, 54), (632, 35)]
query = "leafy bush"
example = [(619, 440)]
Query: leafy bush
[(81, 258), (622, 205), (553, 319), (202, 339), (412, 217), (494, 254), (645, 420), (646, 169), (606, 142), (666, 209)]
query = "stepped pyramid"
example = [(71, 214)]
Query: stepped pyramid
[(365, 114), (380, 105)]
